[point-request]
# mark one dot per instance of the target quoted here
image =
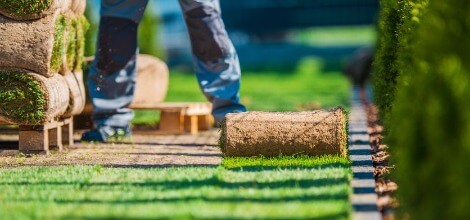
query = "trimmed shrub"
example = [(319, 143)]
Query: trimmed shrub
[(398, 20), (430, 122), (385, 71)]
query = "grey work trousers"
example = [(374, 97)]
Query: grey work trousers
[(112, 75)]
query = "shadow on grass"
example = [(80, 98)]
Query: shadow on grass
[(221, 199), (256, 168), (213, 181), (179, 154), (340, 215)]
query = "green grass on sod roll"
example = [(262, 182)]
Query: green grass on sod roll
[(287, 187), (24, 7), (82, 26), (22, 97), (58, 47), (71, 42)]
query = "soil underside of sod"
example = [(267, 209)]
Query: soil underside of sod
[(171, 176)]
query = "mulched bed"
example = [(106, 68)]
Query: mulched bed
[(385, 186)]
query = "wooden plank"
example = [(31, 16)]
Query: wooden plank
[(191, 124), (55, 138), (67, 132), (190, 108), (205, 122), (33, 138), (39, 138), (172, 117), (171, 122)]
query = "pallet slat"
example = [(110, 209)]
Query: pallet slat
[(40, 138)]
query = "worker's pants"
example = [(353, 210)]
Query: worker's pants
[(112, 75)]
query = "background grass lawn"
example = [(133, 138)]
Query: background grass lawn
[(240, 188), (307, 87)]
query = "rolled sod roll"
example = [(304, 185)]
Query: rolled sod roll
[(78, 6), (76, 92), (33, 9), (271, 134), (74, 43), (81, 26), (37, 46), (152, 82), (32, 99)]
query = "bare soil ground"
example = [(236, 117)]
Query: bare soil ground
[(142, 151), (385, 186)]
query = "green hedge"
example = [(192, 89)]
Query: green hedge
[(430, 120), (385, 71), (398, 20)]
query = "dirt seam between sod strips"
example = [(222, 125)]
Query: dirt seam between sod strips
[(364, 197)]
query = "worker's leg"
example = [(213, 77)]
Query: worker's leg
[(112, 76), (214, 57)]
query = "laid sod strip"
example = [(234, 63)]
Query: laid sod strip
[(312, 133), (285, 161), (32, 99), (317, 190)]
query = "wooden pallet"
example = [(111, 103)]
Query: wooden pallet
[(175, 117), (183, 117), (41, 138)]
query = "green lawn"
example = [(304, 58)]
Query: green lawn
[(336, 36), (308, 87), (241, 188)]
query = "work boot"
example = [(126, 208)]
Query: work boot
[(105, 134)]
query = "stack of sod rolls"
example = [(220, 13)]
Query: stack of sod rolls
[(41, 54)]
